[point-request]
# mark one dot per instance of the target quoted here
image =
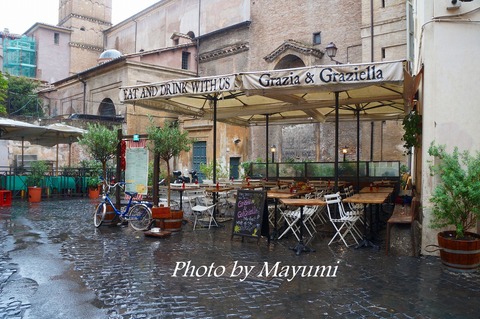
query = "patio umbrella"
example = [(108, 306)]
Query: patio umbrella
[(19, 131), (59, 133)]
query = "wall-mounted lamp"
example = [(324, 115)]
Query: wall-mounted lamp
[(331, 50), (273, 149), (344, 152)]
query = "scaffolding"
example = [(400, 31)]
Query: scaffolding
[(19, 57)]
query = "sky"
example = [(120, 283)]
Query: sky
[(19, 15)]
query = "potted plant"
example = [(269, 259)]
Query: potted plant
[(34, 181), (93, 184), (167, 142), (101, 143), (456, 204)]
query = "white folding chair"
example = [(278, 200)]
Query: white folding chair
[(308, 219), (319, 214), (203, 199), (354, 209), (291, 217), (201, 212), (341, 221)]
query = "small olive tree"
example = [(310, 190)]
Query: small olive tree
[(168, 142), (101, 144), (456, 197)]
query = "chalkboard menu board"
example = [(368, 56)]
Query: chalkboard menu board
[(249, 215)]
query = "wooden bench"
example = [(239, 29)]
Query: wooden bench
[(402, 215)]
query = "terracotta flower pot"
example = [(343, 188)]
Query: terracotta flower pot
[(34, 194), (93, 193), (459, 254)]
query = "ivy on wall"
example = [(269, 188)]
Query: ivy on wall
[(412, 125)]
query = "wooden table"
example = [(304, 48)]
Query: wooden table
[(387, 183), (372, 198), (215, 191), (252, 186), (219, 189), (329, 184), (302, 202), (377, 190), (181, 189)]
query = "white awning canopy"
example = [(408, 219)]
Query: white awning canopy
[(299, 95)]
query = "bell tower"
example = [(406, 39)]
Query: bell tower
[(87, 19)]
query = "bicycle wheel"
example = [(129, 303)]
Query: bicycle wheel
[(139, 217), (99, 214)]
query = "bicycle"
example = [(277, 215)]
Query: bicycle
[(137, 213)]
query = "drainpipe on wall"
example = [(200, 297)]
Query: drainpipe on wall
[(372, 59), (84, 95), (135, 41), (371, 31), (371, 140), (198, 35)]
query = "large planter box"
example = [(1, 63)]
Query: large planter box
[(111, 218), (161, 212), (173, 223), (458, 254)]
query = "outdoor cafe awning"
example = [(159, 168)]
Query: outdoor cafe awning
[(299, 95), (368, 91)]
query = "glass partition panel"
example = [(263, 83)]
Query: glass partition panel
[(384, 169), (349, 169), (320, 170), (291, 170), (272, 170), (258, 171)]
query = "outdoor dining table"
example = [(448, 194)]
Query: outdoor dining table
[(385, 183), (376, 190), (326, 184), (215, 191), (252, 186), (302, 202), (372, 198), (181, 188)]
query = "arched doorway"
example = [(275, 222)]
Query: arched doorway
[(289, 61), (107, 108)]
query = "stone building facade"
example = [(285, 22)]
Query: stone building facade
[(87, 20), (201, 38)]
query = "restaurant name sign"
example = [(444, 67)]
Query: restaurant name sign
[(179, 87), (342, 76), (324, 75)]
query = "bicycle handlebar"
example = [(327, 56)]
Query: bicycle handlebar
[(109, 186)]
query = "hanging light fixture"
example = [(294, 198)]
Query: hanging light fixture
[(331, 50)]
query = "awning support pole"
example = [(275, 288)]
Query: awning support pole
[(215, 99), (266, 145), (336, 141), (358, 151)]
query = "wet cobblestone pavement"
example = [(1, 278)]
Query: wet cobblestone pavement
[(55, 264)]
